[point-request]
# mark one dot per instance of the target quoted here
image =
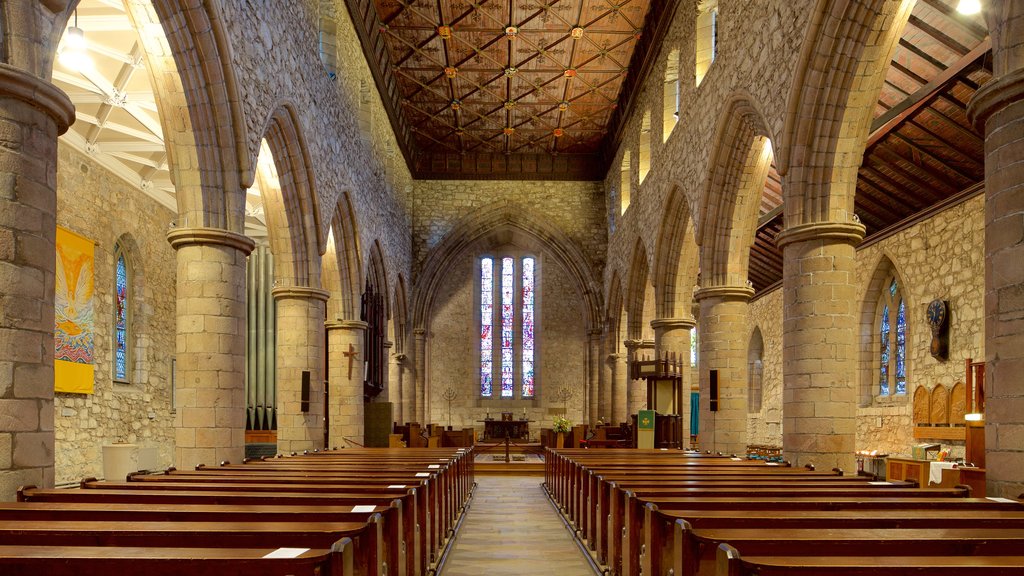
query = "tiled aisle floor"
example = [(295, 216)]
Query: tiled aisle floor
[(511, 528)]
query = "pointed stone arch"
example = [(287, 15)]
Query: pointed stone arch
[(293, 214), (342, 273), (204, 125), (755, 371), (615, 312), (728, 218), (376, 275), (400, 315), (636, 290), (842, 67), (676, 260), (518, 218)]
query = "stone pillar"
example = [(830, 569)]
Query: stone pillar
[(33, 113), (300, 338), (211, 305), (997, 109), (418, 407), (605, 395), (723, 347), (819, 339), (389, 394), (594, 378), (620, 388), (400, 389), (672, 337), (345, 382)]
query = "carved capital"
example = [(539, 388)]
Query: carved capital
[(741, 293), (18, 84), (346, 325), (849, 232), (995, 95), (673, 323), (181, 237), (300, 293)]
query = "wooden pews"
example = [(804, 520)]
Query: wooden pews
[(672, 512), (360, 512)]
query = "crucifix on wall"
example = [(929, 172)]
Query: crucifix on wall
[(352, 354)]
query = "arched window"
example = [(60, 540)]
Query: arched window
[(707, 38), (515, 319), (892, 340), (122, 315), (624, 187), (755, 370), (328, 39), (694, 346), (673, 93), (644, 157)]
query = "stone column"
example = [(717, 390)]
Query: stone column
[(400, 389), (723, 347), (345, 381), (300, 340), (389, 394), (620, 388), (672, 337), (211, 305), (33, 113), (594, 377), (418, 407), (819, 339), (997, 109), (605, 395)]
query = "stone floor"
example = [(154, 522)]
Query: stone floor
[(511, 528)]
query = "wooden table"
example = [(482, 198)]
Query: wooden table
[(507, 429)]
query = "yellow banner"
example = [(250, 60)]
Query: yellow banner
[(74, 315)]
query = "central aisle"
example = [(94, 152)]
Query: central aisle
[(511, 528)]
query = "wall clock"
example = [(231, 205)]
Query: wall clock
[(938, 320)]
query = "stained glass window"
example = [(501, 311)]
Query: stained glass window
[(527, 327), (901, 349), (883, 377), (693, 347), (507, 325), (892, 345), (120, 316), (486, 323)]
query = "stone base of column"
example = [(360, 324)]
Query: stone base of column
[(345, 396), (300, 326)]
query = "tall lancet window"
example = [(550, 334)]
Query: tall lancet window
[(892, 333), (508, 279), (527, 327), (121, 320), (486, 324), (508, 329)]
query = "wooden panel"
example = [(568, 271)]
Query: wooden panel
[(921, 412), (957, 403), (938, 433), (939, 410)]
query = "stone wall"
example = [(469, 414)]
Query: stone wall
[(575, 208), (941, 257), (454, 344), (96, 204)]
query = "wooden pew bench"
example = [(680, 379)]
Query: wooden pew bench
[(51, 560), (417, 557), (366, 537), (731, 563)]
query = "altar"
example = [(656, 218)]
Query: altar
[(506, 429)]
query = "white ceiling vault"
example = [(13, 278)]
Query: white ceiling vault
[(117, 123)]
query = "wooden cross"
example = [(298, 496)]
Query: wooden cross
[(351, 354)]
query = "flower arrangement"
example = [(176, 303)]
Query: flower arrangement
[(561, 425)]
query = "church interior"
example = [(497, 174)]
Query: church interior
[(608, 235)]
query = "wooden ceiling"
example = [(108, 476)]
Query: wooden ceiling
[(922, 151), (509, 88)]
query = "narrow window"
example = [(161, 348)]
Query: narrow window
[(624, 188), (883, 372), (673, 89), (527, 328), (644, 158), (486, 322), (122, 304), (507, 325), (892, 345)]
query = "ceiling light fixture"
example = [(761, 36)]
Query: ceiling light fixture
[(969, 7), (75, 52)]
